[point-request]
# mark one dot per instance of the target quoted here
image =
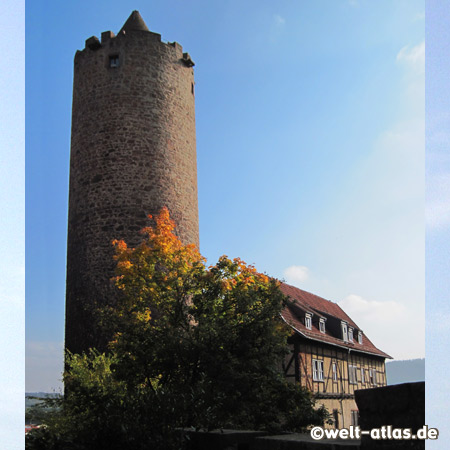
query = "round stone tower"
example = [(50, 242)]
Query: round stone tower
[(133, 151)]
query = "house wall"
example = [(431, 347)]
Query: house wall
[(334, 392), (343, 408)]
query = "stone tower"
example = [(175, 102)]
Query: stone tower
[(133, 151)]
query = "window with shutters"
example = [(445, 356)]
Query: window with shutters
[(334, 369), (352, 374), (344, 331), (317, 370)]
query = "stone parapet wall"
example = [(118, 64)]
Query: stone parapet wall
[(400, 405)]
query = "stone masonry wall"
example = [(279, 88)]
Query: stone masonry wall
[(133, 151), (399, 405)]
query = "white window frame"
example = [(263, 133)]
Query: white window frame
[(350, 334), (373, 376), (308, 321), (322, 325), (352, 374), (334, 370), (360, 337), (344, 330), (317, 366), (363, 376)]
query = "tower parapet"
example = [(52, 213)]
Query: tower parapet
[(133, 151)]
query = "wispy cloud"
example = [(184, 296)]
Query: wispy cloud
[(393, 172), (413, 56), (296, 275), (277, 27), (279, 21)]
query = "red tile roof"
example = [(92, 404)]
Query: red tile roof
[(301, 301)]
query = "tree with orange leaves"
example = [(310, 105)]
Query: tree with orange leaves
[(193, 346), (214, 333)]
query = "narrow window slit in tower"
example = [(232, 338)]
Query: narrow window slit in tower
[(192, 88), (114, 61)]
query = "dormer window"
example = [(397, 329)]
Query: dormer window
[(360, 340), (344, 331), (308, 321), (322, 325), (350, 334)]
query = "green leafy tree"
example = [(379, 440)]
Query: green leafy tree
[(193, 346)]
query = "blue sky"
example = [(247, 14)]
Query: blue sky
[(310, 141), (310, 154)]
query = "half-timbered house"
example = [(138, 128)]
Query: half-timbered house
[(330, 355)]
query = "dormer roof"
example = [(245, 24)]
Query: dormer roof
[(300, 300)]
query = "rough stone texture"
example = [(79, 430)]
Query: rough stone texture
[(133, 151), (399, 405)]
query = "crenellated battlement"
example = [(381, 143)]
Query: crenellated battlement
[(134, 26)]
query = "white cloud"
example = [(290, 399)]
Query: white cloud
[(413, 57), (296, 274), (355, 305), (390, 325)]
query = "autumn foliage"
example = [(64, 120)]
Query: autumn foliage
[(180, 320), (193, 346)]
